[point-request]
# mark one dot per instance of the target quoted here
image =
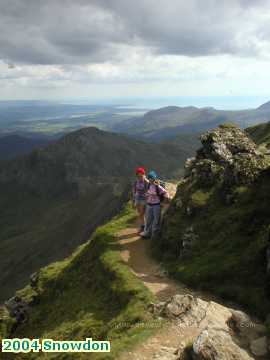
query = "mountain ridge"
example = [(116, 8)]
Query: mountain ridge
[(56, 196), (190, 119)]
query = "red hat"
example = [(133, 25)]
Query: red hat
[(140, 170)]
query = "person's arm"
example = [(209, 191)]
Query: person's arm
[(147, 182), (133, 193), (164, 192)]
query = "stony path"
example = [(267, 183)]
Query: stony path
[(135, 253)]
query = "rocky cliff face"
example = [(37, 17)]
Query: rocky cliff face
[(215, 233), (227, 157)]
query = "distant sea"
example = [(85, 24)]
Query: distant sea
[(218, 102), (143, 104)]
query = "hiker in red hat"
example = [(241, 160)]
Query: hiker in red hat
[(139, 189)]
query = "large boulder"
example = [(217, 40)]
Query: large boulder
[(219, 332), (217, 344)]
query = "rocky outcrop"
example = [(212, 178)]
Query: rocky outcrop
[(34, 279), (187, 241), (219, 332), (228, 156), (19, 306), (18, 309)]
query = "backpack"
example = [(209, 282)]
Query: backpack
[(145, 186)]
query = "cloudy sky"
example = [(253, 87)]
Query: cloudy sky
[(58, 49)]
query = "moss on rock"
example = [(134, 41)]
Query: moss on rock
[(199, 198)]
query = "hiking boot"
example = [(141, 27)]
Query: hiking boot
[(144, 235)]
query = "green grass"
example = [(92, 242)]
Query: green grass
[(6, 323), (260, 133), (92, 293)]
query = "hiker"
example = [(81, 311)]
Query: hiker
[(154, 196), (139, 190)]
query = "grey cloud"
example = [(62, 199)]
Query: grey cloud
[(78, 32), (195, 27)]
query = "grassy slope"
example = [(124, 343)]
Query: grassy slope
[(88, 294), (45, 229), (228, 256), (260, 133)]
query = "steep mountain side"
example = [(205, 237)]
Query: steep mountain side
[(92, 293), (216, 232), (15, 145), (51, 199), (189, 142), (169, 121), (36, 230)]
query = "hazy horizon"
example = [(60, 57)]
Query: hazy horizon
[(149, 103)]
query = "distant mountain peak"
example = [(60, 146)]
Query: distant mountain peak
[(265, 106), (90, 130), (172, 108)]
